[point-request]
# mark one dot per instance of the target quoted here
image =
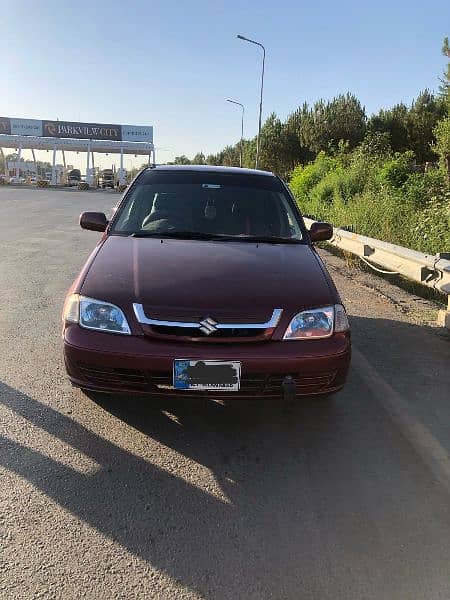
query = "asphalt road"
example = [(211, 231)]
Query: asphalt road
[(135, 498)]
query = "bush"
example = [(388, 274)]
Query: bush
[(420, 188), (432, 229), (381, 197), (305, 178), (396, 171)]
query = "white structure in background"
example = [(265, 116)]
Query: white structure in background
[(26, 167), (121, 176), (59, 136)]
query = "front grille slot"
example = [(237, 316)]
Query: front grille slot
[(261, 384), (126, 378), (195, 332)]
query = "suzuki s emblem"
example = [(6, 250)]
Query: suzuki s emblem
[(208, 326)]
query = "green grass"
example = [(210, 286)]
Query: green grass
[(381, 197)]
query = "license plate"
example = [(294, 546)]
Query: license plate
[(223, 376)]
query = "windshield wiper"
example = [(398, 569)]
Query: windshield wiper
[(183, 235), (198, 235), (268, 239)]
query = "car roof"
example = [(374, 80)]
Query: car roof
[(210, 169)]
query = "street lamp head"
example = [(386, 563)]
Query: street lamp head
[(235, 102), (246, 39)]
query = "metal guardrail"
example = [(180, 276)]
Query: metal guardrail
[(432, 271)]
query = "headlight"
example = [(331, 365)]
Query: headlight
[(317, 323), (95, 314)]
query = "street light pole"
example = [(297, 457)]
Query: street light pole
[(242, 128), (258, 139)]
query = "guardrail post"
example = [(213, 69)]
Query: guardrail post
[(444, 316)]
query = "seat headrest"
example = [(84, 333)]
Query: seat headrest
[(166, 202)]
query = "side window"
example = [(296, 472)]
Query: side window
[(138, 207)]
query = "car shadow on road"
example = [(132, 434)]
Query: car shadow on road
[(215, 546), (303, 495)]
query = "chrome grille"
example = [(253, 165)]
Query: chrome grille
[(206, 327)]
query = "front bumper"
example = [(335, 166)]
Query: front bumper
[(131, 364)]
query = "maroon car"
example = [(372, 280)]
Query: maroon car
[(205, 282)]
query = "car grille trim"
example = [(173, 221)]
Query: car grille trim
[(211, 324)]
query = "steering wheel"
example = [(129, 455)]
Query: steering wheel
[(174, 220)]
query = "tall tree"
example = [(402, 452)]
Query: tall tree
[(442, 146), (280, 146), (445, 81), (199, 159), (422, 118), (327, 123), (181, 160), (394, 122)]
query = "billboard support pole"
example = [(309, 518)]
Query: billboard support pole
[(93, 167), (54, 166), (64, 174), (121, 174), (88, 165), (34, 160), (18, 161)]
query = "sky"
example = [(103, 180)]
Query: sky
[(173, 64)]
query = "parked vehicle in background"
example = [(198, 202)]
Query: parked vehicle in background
[(107, 179), (74, 177)]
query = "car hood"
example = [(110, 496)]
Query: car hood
[(173, 277)]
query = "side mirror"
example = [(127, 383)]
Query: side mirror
[(320, 232), (95, 221)]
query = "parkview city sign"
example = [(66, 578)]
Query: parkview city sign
[(89, 131), (70, 129)]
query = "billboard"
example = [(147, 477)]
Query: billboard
[(135, 133), (86, 131), (23, 166), (76, 130)]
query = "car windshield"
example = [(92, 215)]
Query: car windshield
[(208, 205)]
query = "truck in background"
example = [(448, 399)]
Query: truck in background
[(74, 177), (107, 179)]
